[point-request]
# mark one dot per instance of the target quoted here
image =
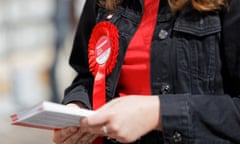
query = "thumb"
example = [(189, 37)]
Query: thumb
[(98, 118), (83, 122)]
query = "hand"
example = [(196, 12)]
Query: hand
[(73, 135), (126, 119)]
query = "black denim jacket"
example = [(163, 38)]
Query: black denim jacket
[(195, 69)]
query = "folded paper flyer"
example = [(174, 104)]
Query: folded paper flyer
[(49, 115)]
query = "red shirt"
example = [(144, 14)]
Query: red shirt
[(135, 73)]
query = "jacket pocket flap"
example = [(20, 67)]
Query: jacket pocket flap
[(198, 25)]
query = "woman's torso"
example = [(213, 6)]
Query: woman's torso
[(185, 51)]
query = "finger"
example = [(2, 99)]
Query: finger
[(86, 139), (73, 139), (102, 130), (60, 135), (95, 119), (72, 105), (98, 131), (92, 138)]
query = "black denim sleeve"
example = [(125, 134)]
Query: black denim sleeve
[(81, 88), (208, 119), (200, 119)]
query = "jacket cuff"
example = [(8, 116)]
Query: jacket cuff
[(175, 118), (77, 97)]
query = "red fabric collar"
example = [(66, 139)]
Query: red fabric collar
[(135, 74)]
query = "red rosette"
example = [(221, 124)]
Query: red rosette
[(103, 30), (102, 55)]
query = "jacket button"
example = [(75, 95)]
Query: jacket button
[(109, 16), (165, 88), (163, 34), (177, 137)]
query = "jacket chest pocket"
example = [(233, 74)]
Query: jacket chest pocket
[(196, 39)]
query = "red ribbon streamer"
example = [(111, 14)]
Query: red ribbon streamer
[(99, 87), (104, 36)]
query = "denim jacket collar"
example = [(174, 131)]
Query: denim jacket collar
[(141, 3)]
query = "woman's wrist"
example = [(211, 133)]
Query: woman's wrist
[(156, 106)]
